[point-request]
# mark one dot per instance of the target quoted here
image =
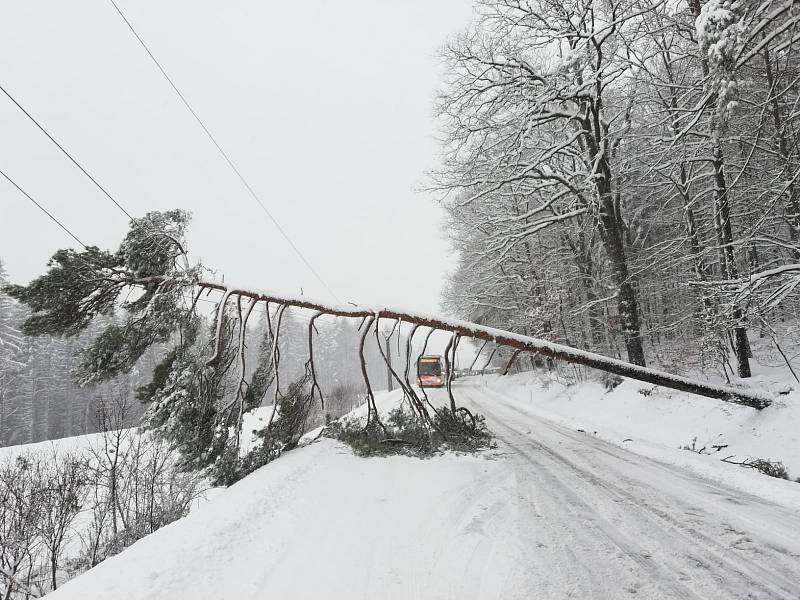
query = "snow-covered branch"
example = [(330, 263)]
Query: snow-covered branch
[(503, 338)]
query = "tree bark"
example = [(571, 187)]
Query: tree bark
[(741, 344), (793, 199), (723, 228), (627, 302), (513, 340)]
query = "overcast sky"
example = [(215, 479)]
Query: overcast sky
[(326, 107)]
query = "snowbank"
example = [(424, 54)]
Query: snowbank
[(643, 418), (323, 523), (78, 443), (305, 527)]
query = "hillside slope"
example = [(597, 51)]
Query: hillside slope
[(552, 512), (321, 522)]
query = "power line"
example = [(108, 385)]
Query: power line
[(225, 155), (60, 147), (43, 209), (301, 316)]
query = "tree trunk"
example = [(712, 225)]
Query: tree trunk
[(388, 365), (627, 302), (585, 265), (53, 569), (722, 226), (512, 340), (741, 345), (793, 200)]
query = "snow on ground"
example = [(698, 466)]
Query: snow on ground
[(551, 513), (77, 443), (323, 523), (92, 447), (661, 417), (630, 525)]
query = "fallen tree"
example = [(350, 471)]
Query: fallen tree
[(500, 337), (146, 294)]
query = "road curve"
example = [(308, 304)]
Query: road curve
[(597, 521)]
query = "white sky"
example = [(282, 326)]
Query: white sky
[(326, 107)]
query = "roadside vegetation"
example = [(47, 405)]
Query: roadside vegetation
[(772, 468), (63, 512), (404, 433)]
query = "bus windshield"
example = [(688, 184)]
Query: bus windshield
[(429, 366)]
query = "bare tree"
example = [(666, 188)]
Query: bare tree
[(20, 512), (536, 109), (61, 497)]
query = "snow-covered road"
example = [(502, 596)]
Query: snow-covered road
[(596, 521), (552, 513)]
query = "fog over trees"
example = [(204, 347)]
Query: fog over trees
[(38, 398)]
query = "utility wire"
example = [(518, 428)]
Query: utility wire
[(74, 237), (60, 147), (304, 318), (225, 154), (43, 209)]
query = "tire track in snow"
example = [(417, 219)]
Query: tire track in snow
[(678, 556), (783, 523), (610, 564)]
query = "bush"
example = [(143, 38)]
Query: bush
[(768, 467), (406, 433), (610, 381), (137, 485), (284, 433), (462, 430), (341, 399)]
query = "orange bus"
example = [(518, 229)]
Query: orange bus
[(431, 372)]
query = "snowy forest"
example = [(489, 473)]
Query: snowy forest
[(40, 399), (622, 176)]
